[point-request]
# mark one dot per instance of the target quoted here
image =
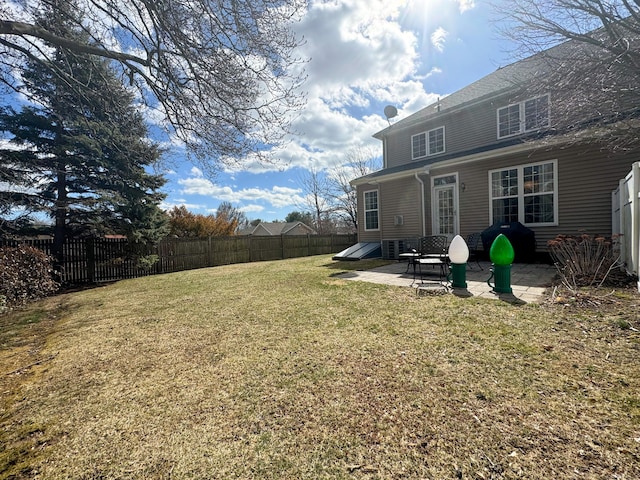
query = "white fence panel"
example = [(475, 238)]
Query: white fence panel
[(626, 218)]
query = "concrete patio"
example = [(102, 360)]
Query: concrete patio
[(528, 281)]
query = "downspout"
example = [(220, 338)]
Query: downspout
[(384, 152), (422, 205)]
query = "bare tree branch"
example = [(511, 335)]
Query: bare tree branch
[(316, 191), (22, 29), (224, 73), (587, 53), (357, 163)]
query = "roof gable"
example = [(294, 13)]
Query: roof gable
[(509, 78)]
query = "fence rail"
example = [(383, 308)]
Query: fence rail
[(94, 260)]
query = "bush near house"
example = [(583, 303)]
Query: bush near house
[(25, 274), (584, 260)]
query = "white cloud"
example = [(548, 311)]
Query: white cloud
[(167, 206), (6, 144), (362, 58), (276, 196), (438, 38), (430, 73), (252, 208), (364, 54), (465, 5), (355, 44), (196, 172)]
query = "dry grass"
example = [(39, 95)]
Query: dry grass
[(280, 370)]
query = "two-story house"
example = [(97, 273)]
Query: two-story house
[(497, 151)]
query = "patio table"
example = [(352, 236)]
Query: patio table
[(440, 260), (411, 258)]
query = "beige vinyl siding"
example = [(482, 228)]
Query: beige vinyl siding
[(401, 197), (473, 210), (367, 235), (586, 177), (471, 128), (466, 129), (398, 149), (586, 180)]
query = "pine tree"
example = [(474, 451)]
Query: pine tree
[(81, 158)]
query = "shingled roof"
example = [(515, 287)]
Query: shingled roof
[(276, 228), (504, 79)]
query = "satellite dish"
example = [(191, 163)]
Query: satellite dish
[(390, 111)]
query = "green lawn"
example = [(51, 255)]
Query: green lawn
[(280, 370)]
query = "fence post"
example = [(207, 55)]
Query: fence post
[(89, 246), (156, 250), (635, 219)]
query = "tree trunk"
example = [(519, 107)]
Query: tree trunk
[(59, 231)]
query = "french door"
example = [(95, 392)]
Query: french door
[(445, 206)]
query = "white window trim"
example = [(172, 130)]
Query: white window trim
[(426, 148), (444, 143), (521, 195), (426, 139), (364, 204), (521, 112)]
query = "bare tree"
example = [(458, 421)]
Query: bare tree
[(223, 74), (587, 52), (358, 162), (232, 214), (316, 190), (329, 197)]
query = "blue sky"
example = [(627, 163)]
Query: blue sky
[(364, 54)]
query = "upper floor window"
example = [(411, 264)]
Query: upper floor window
[(371, 210), (522, 117), (427, 143), (526, 194)]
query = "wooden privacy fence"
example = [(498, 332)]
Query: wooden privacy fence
[(93, 260)]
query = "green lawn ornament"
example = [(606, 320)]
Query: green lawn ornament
[(458, 256), (501, 255)]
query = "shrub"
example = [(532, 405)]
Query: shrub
[(147, 262), (583, 260), (25, 275)]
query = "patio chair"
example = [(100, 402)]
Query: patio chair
[(433, 251), (434, 245), (474, 241)]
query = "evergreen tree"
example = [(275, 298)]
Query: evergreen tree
[(304, 217), (81, 158)]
